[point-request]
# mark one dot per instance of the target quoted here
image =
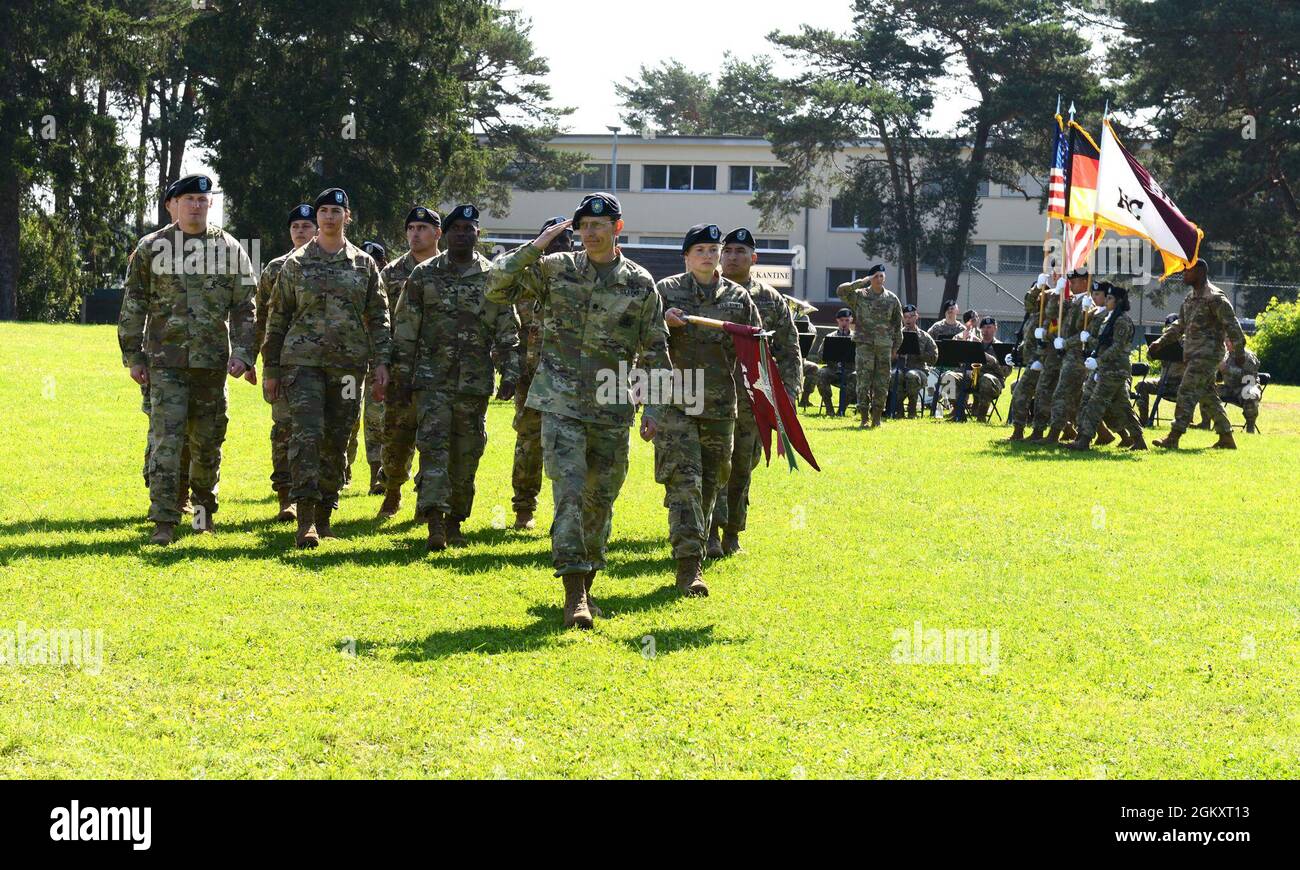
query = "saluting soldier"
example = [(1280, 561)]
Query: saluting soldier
[(302, 227), (1205, 322), (693, 444), (877, 333), (446, 335), (731, 510), (423, 233), (186, 322), (599, 312), (328, 322)]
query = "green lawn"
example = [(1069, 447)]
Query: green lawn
[(1144, 609)]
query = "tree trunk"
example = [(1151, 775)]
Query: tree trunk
[(907, 249), (10, 208), (966, 210), (146, 103)]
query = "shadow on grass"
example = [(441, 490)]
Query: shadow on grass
[(1036, 452)]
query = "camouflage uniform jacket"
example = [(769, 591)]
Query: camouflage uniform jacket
[(393, 279), (447, 329), (265, 284), (778, 320), (942, 330), (1114, 357), (928, 356), (174, 319), (877, 317), (1204, 321), (701, 348), (589, 325), (327, 310)]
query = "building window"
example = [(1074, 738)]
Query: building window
[(979, 257), (662, 177), (745, 178), (982, 189), (842, 219), (779, 244), (674, 241), (1020, 259), (595, 176)]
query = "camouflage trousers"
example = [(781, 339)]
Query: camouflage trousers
[(913, 384), (183, 488), (526, 475), (373, 418), (1046, 387), (324, 404), (872, 367), (587, 464), (1107, 401), (810, 382), (731, 508), (451, 435), (281, 430), (693, 462), (186, 406), (1197, 388), (1022, 396), (828, 377), (398, 441), (1232, 395), (1069, 390)]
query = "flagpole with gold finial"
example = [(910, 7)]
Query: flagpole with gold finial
[(1065, 241), (1047, 227)]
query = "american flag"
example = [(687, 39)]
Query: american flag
[(1056, 183)]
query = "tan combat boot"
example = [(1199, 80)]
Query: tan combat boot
[(455, 537), (376, 479), (576, 611), (163, 533), (1017, 432), (1104, 435), (713, 547), (1170, 441), (1225, 442), (323, 529), (730, 543), (307, 537), (911, 408), (524, 521), (588, 579), (689, 581), (288, 510), (391, 505), (437, 532), (1079, 443)]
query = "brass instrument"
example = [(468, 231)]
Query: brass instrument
[(975, 375)]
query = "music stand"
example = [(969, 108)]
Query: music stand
[(954, 354), (839, 349), (806, 343)]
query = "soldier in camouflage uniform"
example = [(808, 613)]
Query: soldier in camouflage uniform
[(372, 413), (948, 326), (193, 288), (1022, 394), (328, 321), (731, 508), (1239, 387), (993, 373), (1069, 382), (1205, 322), (302, 227), (444, 340), (915, 367), (829, 376), (599, 312), (878, 331), (423, 233), (1108, 368), (1048, 364), (526, 473), (1166, 386), (1114, 417), (693, 443)]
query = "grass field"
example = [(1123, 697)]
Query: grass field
[(1143, 607)]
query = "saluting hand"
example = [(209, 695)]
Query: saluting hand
[(543, 241)]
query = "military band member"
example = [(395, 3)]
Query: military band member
[(181, 331), (423, 233), (598, 310), (948, 326), (878, 331), (993, 373), (1240, 384), (834, 374), (914, 368), (1205, 322), (693, 445), (328, 322), (302, 227), (732, 505), (1166, 386)]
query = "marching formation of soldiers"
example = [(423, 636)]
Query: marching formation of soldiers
[(423, 342)]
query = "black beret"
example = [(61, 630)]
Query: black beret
[(170, 192), (879, 267), (303, 212), (550, 222), (332, 196), (843, 312), (374, 249), (702, 234), (1080, 272), (988, 320), (599, 205), (422, 215), (949, 303), (463, 212), (1101, 286), (191, 184), (1116, 290), (909, 308), (740, 236), (968, 314), (1171, 319)]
